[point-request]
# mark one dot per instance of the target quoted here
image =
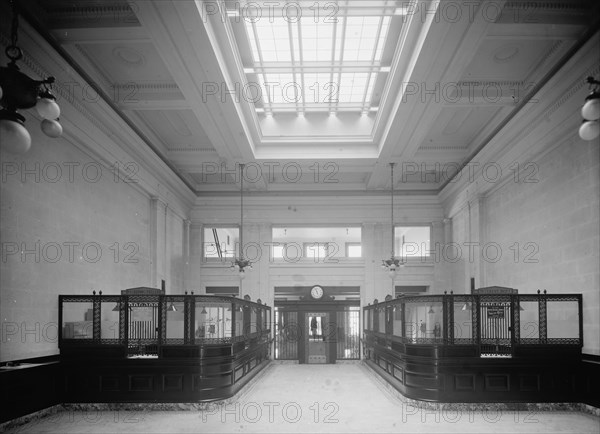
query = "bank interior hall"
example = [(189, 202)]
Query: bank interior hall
[(328, 216)]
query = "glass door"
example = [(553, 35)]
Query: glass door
[(318, 332)]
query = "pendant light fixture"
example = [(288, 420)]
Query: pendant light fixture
[(392, 265), (590, 127), (240, 264), (18, 91)]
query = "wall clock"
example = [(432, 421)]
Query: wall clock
[(316, 292)]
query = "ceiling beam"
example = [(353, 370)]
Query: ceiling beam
[(99, 35)]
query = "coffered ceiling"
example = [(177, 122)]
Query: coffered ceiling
[(449, 75)]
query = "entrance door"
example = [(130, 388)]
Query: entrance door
[(317, 342)]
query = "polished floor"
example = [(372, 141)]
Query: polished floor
[(290, 398)]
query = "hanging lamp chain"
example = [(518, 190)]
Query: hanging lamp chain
[(13, 52), (392, 197), (241, 211)]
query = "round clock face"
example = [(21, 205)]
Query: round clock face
[(316, 292)]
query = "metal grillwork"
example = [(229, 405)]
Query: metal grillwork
[(348, 333), (516, 319), (495, 327), (494, 323), (287, 335), (143, 323)]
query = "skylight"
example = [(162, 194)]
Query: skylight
[(329, 64)]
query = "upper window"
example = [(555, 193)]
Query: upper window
[(221, 243), (316, 57), (353, 250), (321, 244), (412, 241)]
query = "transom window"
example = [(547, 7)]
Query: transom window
[(318, 56)]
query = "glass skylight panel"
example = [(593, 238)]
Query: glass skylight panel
[(369, 93), (339, 39), (385, 26), (352, 86), (252, 39), (318, 65), (283, 88), (296, 41)]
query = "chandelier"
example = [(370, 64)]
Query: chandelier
[(18, 91), (392, 265), (590, 128), (240, 264)]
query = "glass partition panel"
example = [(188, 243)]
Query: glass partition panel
[(227, 323), (253, 326), (563, 319), (529, 320), (381, 312), (434, 329), (210, 320), (463, 322), (239, 319), (109, 319), (175, 319), (421, 319), (259, 318), (265, 318), (77, 320), (397, 320)]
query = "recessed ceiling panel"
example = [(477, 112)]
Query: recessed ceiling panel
[(128, 62), (512, 60), (178, 129), (457, 127)]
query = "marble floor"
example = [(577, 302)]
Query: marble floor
[(291, 398)]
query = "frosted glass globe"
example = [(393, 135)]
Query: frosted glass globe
[(589, 130), (591, 109), (47, 108), (14, 137), (52, 128)]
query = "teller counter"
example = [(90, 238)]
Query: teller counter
[(160, 348), (490, 346)]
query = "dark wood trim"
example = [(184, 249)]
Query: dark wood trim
[(456, 373)]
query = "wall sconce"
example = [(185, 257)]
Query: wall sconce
[(590, 128), (18, 91)]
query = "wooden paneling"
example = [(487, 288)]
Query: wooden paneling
[(172, 382), (28, 389), (222, 371), (539, 374), (497, 382)]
